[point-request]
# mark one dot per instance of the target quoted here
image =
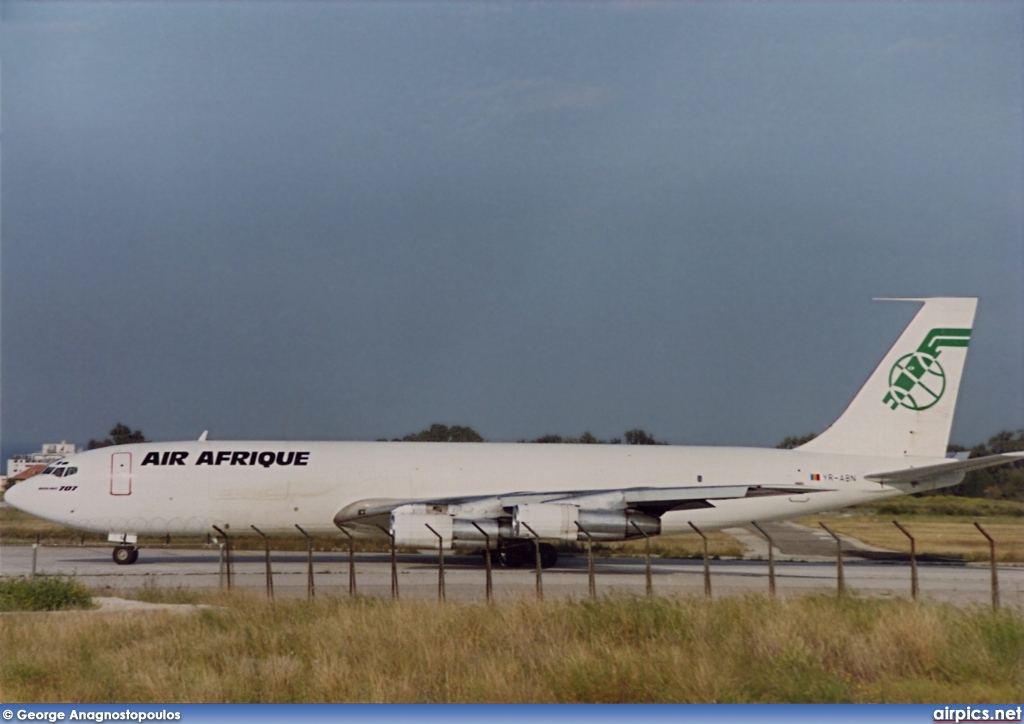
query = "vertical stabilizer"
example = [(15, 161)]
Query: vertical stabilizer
[(906, 406)]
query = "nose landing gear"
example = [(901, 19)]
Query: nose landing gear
[(125, 555)]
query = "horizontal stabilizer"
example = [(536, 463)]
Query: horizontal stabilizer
[(930, 472)]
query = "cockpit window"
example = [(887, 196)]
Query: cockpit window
[(48, 471), (70, 471)]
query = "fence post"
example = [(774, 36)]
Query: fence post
[(536, 551), (440, 562), (487, 561), (647, 558), (35, 556), (310, 583), (591, 582), (707, 565), (394, 562), (266, 549), (992, 558), (226, 554), (351, 562), (839, 560), (771, 558), (913, 559)]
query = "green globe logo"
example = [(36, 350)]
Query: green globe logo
[(916, 382)]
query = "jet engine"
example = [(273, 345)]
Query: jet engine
[(409, 527), (563, 521)]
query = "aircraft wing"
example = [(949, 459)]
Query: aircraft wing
[(650, 501), (930, 472)]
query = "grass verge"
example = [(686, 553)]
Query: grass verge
[(45, 593), (949, 539), (948, 505), (688, 545), (18, 527), (750, 649)]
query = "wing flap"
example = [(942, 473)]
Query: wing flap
[(374, 512)]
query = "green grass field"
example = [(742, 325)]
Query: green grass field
[(749, 649), (45, 593)]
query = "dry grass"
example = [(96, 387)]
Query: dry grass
[(945, 505), (751, 649), (19, 527), (937, 535), (720, 545)]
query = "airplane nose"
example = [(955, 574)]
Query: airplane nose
[(19, 495)]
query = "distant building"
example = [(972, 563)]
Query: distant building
[(51, 452)]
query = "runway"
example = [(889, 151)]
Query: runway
[(465, 578)]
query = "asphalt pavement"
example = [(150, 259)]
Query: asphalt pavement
[(465, 577)]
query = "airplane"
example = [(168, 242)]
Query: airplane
[(505, 497)]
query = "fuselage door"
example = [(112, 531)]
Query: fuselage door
[(121, 473)]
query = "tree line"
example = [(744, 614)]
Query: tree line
[(1002, 483), (119, 435), (459, 433)]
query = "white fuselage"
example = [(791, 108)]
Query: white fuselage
[(898, 422), (190, 487)]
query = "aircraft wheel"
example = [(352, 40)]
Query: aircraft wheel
[(125, 555), (548, 555), (517, 556)]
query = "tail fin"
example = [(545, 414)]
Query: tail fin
[(906, 406)]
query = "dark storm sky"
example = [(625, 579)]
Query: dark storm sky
[(350, 220)]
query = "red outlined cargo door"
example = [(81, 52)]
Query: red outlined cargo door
[(121, 473)]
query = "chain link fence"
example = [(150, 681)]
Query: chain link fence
[(296, 568)]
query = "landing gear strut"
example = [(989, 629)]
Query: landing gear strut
[(522, 555), (125, 555), (548, 555)]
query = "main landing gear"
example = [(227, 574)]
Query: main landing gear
[(524, 556), (125, 555)]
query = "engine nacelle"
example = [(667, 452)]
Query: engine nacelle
[(466, 534), (545, 520), (564, 521), (618, 524), (409, 527)]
